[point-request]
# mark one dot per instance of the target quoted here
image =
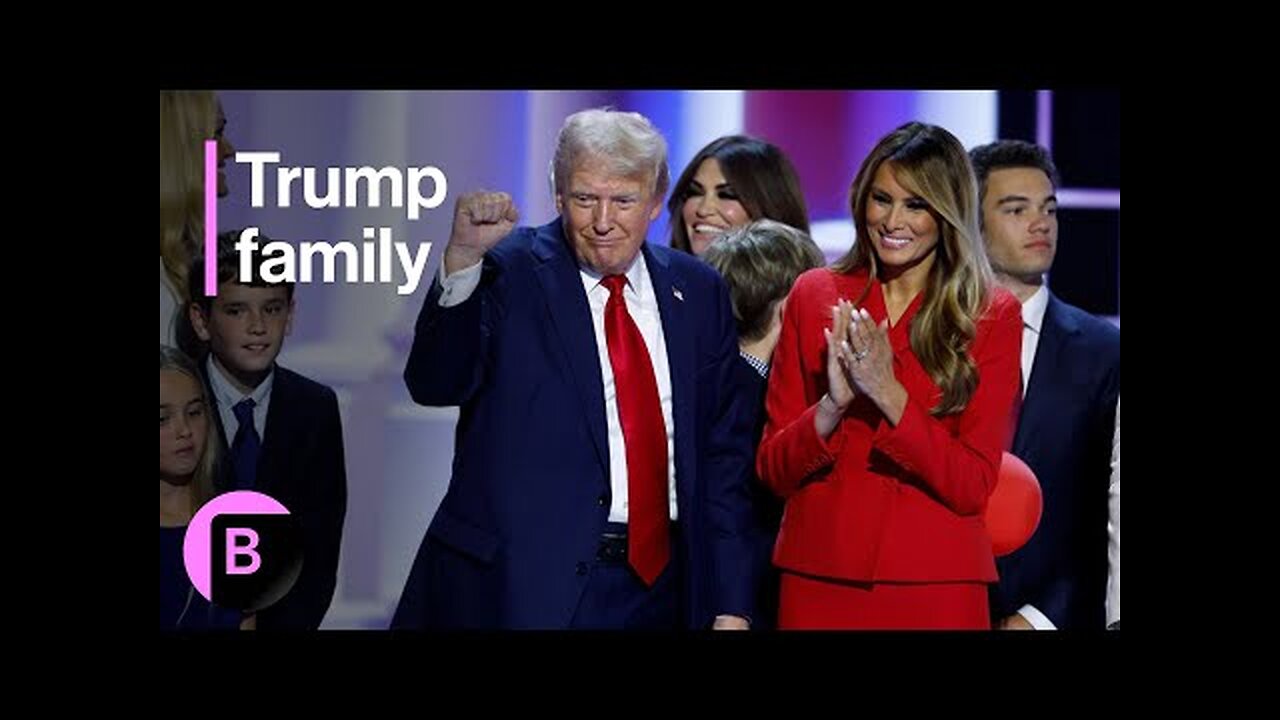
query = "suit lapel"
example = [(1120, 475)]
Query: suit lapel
[(1051, 350), (278, 432), (570, 317), (669, 289)]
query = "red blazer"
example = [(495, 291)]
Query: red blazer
[(876, 502)]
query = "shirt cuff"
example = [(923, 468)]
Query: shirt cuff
[(457, 288), (1036, 618)]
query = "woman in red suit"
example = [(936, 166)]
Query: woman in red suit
[(889, 404)]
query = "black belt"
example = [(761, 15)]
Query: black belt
[(613, 542)]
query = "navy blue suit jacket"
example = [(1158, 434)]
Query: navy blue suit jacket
[(302, 465), (767, 507), (512, 540), (1064, 435)]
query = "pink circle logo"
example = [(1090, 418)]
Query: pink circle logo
[(242, 550)]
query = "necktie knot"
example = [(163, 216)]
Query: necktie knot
[(243, 411), (615, 284)]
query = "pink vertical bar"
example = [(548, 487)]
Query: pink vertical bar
[(210, 217)]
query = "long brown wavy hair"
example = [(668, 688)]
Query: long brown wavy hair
[(930, 162), (187, 119)]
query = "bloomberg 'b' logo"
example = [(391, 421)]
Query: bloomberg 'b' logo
[(242, 551)]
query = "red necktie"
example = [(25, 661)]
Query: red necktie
[(640, 412), (1014, 415)]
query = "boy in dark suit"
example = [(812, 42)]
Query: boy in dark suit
[(760, 262), (280, 431)]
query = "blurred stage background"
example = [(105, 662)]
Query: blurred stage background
[(355, 337)]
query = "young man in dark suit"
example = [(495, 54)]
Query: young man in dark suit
[(1071, 382)]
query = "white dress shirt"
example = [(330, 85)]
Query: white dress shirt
[(642, 304), (1032, 320), (227, 396)]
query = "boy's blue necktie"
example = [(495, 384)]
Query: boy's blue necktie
[(246, 447)]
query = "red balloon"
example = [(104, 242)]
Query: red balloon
[(1013, 511)]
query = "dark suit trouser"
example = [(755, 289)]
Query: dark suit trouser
[(617, 599)]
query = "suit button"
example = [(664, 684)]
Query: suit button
[(582, 568), (602, 501)]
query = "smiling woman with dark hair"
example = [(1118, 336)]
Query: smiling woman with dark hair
[(730, 182)]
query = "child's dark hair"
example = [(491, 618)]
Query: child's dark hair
[(229, 269)]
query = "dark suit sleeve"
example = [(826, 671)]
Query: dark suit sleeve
[(1057, 598), (729, 507), (331, 471), (321, 517), (445, 365)]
